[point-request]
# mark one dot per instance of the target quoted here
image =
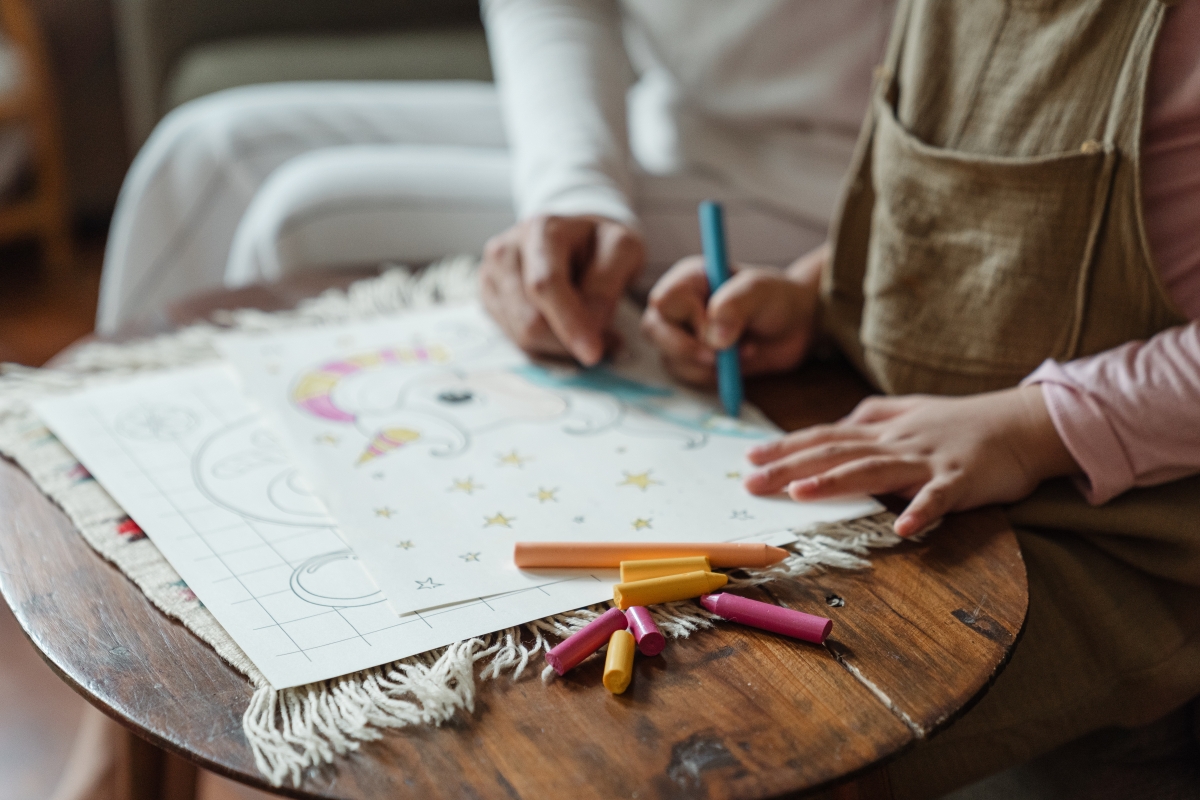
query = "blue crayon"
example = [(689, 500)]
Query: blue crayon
[(716, 264)]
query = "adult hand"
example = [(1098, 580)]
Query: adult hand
[(553, 283), (945, 453), (770, 312)]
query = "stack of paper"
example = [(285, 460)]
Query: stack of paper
[(355, 496)]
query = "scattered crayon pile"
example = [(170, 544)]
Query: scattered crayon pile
[(661, 573)]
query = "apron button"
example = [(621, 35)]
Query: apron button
[(1090, 147)]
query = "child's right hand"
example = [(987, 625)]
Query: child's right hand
[(770, 311)]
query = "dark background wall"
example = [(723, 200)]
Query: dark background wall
[(82, 46)]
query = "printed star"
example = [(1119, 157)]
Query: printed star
[(546, 495), (385, 512), (733, 476), (579, 519), (470, 556), (405, 545), (641, 480), (620, 449), (513, 458), (326, 438), (469, 486), (640, 523), (498, 519), (427, 584), (377, 476), (741, 515)]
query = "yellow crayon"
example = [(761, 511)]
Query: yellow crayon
[(666, 589), (618, 664), (658, 567)]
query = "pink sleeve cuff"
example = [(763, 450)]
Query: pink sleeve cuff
[(1087, 434)]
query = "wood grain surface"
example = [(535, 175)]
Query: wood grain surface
[(732, 712)]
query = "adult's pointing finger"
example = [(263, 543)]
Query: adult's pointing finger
[(618, 256), (549, 249)]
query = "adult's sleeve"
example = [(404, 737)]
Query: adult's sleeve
[(563, 73), (1131, 415)]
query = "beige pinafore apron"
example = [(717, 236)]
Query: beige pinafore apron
[(993, 220)]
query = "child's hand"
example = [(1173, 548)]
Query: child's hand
[(770, 311), (946, 453)]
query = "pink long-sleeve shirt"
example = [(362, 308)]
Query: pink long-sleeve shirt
[(1131, 415)]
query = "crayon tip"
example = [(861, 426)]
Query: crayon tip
[(709, 601), (555, 660), (775, 554), (715, 580)]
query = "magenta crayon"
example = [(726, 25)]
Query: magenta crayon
[(776, 619), (650, 641), (587, 640)]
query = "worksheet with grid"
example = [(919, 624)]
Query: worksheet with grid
[(194, 465)]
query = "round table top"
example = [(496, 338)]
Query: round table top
[(730, 712)]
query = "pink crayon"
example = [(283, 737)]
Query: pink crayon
[(650, 642), (776, 619), (587, 640)]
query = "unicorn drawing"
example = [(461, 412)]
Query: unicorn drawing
[(415, 397)]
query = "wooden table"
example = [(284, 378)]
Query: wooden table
[(731, 712)]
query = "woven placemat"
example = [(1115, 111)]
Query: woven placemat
[(293, 730)]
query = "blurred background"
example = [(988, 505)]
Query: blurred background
[(82, 83)]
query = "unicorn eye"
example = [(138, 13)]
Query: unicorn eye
[(456, 396)]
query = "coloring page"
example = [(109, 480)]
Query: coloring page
[(195, 467), (437, 444)]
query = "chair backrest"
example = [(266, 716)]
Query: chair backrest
[(152, 34)]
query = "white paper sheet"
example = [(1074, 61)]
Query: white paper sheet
[(191, 462), (437, 445)]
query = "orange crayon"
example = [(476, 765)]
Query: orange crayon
[(609, 555)]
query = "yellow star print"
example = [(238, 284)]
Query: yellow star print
[(639, 524), (498, 519), (546, 495), (513, 458), (469, 486), (733, 475), (384, 512), (327, 438), (641, 480)]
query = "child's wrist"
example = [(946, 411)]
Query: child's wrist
[(805, 274), (1043, 446), (806, 270)]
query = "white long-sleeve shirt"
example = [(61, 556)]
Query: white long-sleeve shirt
[(766, 95)]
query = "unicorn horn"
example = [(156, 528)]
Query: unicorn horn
[(386, 441)]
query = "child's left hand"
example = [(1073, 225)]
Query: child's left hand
[(945, 453)]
